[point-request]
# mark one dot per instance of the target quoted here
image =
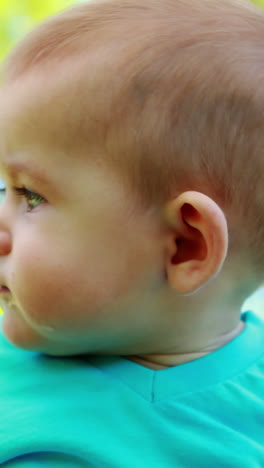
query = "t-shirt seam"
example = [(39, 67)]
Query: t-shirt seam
[(151, 395)]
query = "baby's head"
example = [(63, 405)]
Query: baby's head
[(132, 152)]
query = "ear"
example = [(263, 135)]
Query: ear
[(197, 242)]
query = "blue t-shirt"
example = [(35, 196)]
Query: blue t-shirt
[(111, 412)]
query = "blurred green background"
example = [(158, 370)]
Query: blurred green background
[(18, 16)]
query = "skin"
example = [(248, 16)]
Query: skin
[(87, 269)]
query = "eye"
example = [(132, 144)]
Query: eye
[(2, 191), (2, 195), (33, 199)]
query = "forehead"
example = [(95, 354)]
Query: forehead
[(27, 115), (25, 131), (62, 108), (35, 136)]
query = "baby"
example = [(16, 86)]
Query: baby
[(131, 233)]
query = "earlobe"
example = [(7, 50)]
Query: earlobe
[(197, 242)]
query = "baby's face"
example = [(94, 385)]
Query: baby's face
[(81, 261)]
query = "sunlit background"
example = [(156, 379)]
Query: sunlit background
[(19, 16)]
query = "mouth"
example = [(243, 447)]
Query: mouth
[(6, 299)]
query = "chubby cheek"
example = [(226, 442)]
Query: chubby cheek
[(39, 290), (67, 289), (69, 286), (42, 280)]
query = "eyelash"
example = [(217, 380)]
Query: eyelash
[(30, 197)]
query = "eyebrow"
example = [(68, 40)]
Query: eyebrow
[(27, 169)]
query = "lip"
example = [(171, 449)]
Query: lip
[(6, 298)]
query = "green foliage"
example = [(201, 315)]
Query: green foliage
[(259, 2), (19, 16)]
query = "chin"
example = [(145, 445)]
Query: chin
[(18, 332)]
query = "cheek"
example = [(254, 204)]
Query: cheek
[(39, 288), (51, 286), (43, 278), (58, 283)]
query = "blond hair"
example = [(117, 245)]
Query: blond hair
[(181, 96)]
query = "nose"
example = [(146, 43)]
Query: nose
[(5, 234), (5, 242)]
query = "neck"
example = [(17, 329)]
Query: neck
[(163, 361)]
